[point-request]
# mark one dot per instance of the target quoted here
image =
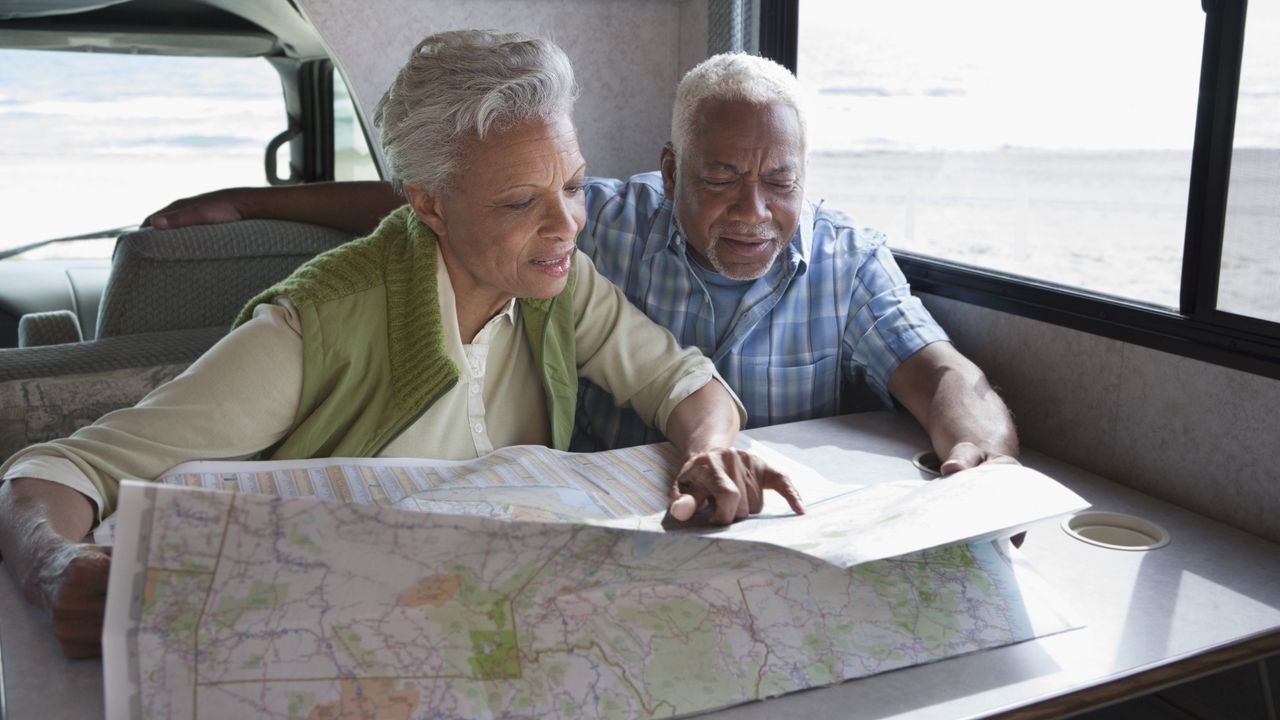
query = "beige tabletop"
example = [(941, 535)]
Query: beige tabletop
[(1208, 599)]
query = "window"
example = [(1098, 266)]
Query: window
[(1062, 161), (1028, 137), (351, 157), (1250, 276), (95, 141)]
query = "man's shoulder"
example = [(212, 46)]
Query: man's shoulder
[(621, 213), (645, 187), (836, 233)]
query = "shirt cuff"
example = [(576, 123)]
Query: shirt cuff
[(688, 384), (57, 470)]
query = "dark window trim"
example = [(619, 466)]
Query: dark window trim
[(1157, 328), (316, 85), (1211, 155), (780, 31), (1197, 329)]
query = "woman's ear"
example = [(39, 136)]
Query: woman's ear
[(429, 207)]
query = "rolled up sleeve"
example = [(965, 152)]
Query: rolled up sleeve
[(235, 400), (630, 356)]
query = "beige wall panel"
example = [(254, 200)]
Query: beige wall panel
[(628, 57), (1201, 436), (1194, 434)]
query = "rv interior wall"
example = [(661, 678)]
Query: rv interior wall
[(628, 57), (1197, 435)]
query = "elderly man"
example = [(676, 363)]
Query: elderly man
[(791, 301)]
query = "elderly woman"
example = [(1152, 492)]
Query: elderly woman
[(460, 325)]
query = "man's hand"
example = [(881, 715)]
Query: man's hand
[(211, 208), (69, 581), (729, 483), (965, 455), (355, 207)]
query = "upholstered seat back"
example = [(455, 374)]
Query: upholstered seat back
[(169, 297), (201, 276)]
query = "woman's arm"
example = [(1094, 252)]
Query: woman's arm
[(42, 526), (356, 207), (677, 391), (238, 398)]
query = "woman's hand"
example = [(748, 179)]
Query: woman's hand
[(69, 581), (41, 526), (718, 480), (727, 484)]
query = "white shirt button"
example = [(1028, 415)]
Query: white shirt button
[(475, 388), (478, 427)]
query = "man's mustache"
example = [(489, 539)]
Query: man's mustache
[(759, 232)]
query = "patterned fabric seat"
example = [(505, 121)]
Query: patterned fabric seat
[(201, 276), (55, 327), (52, 391), (170, 296)]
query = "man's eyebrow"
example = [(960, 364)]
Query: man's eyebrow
[(719, 165), (784, 169)]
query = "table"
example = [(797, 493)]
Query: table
[(1208, 600)]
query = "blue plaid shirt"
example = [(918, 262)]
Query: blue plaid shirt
[(833, 311)]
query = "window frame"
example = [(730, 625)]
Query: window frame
[(1197, 329)]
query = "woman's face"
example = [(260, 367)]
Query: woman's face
[(509, 223)]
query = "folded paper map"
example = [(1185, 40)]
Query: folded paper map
[(498, 587)]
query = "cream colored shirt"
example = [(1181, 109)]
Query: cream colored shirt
[(242, 395)]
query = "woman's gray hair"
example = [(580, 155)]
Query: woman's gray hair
[(459, 85), (733, 76)]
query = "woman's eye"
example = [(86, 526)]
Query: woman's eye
[(718, 182), (521, 205), (573, 189)]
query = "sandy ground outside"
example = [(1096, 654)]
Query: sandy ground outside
[(1111, 222)]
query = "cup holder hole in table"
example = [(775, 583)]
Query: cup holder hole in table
[(1115, 530), (928, 462)]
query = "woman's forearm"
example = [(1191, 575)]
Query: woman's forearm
[(42, 524), (704, 420), (35, 515)]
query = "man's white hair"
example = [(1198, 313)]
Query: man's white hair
[(733, 76), (459, 85)]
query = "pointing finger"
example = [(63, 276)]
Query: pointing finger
[(781, 484)]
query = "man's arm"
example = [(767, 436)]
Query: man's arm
[(42, 525), (728, 482), (967, 421), (356, 207)]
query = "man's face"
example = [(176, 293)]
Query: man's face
[(737, 190)]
